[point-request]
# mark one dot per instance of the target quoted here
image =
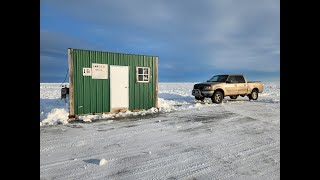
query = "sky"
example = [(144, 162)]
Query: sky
[(193, 39)]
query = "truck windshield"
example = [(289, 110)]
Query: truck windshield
[(218, 78)]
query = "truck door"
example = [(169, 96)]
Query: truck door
[(241, 85), (231, 86)]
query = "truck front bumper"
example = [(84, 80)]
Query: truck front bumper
[(198, 93)]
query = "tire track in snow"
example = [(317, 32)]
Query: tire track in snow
[(232, 126), (210, 167), (91, 156), (200, 163)]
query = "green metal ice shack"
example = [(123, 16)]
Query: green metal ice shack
[(103, 82)]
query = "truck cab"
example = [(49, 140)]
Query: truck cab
[(232, 85)]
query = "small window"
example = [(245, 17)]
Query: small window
[(240, 79), (232, 79), (143, 74)]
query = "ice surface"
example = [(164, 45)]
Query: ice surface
[(238, 139)]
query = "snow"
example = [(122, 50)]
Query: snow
[(172, 97), (185, 139), (53, 110), (103, 162), (56, 116)]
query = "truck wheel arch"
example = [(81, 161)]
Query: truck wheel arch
[(221, 90), (255, 88)]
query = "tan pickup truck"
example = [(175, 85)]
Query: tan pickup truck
[(231, 85)]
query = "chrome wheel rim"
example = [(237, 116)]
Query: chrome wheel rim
[(217, 97), (254, 95)]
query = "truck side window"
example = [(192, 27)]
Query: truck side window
[(232, 79), (240, 79)]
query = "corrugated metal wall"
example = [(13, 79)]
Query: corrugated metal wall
[(93, 95)]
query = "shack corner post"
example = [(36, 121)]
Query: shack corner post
[(71, 96)]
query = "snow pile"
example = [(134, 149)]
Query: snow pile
[(53, 110), (171, 105), (103, 162), (90, 118), (56, 116), (166, 106)]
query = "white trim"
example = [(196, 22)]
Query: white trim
[(137, 74)]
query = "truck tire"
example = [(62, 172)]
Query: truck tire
[(253, 95), (199, 98), (217, 97), (234, 97)]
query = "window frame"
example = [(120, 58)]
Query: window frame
[(137, 74)]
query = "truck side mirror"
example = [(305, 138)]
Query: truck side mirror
[(228, 81)]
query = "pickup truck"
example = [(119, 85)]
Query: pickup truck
[(232, 85)]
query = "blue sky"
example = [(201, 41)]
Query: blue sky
[(193, 39)]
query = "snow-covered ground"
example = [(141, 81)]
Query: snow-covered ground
[(238, 139)]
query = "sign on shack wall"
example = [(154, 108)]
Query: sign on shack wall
[(99, 71), (86, 71)]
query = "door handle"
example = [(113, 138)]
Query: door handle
[(125, 87)]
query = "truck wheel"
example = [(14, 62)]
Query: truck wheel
[(199, 98), (253, 95), (217, 97), (234, 97)]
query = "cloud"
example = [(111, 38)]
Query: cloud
[(216, 34), (53, 52), (57, 43)]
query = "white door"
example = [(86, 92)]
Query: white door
[(119, 88)]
